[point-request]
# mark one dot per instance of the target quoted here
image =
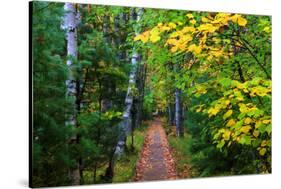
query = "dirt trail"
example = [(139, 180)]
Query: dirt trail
[(156, 161)]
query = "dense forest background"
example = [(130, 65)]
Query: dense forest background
[(100, 73)]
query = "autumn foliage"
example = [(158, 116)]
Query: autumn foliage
[(225, 62)]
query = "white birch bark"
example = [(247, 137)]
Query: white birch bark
[(125, 125), (71, 19)]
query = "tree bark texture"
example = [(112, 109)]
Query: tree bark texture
[(178, 113), (106, 102), (126, 123), (71, 20), (140, 98), (171, 113)]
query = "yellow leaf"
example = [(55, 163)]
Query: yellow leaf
[(171, 41), (266, 121), (260, 91), (240, 98), (262, 151), (195, 49), (154, 35), (258, 124), (256, 133), (263, 143), (210, 57), (204, 19), (154, 38), (226, 135), (240, 86), (189, 16), (188, 29), (138, 37), (207, 27), (241, 21), (143, 37), (199, 109), (174, 49), (217, 53), (201, 90), (226, 102), (213, 111), (172, 25), (266, 29), (230, 123), (227, 114), (186, 38), (235, 17), (164, 28), (193, 21), (182, 46), (174, 34), (222, 16), (243, 108), (160, 24), (179, 23), (247, 120), (245, 129), (216, 40), (203, 39), (245, 91)]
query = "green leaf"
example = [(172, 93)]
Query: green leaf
[(256, 142), (245, 139), (268, 129), (227, 114), (238, 124), (225, 82), (86, 63), (220, 144), (262, 151)]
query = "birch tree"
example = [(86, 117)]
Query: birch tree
[(71, 20), (126, 124)]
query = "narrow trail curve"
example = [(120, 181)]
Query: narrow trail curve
[(156, 161)]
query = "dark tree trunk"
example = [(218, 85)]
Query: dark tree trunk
[(140, 97), (171, 113), (133, 125), (117, 34), (105, 29), (240, 72), (123, 36), (78, 109), (178, 113), (106, 102), (110, 169), (98, 135), (171, 97)]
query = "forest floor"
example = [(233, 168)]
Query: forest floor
[(156, 161)]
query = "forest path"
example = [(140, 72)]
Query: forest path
[(156, 161)]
